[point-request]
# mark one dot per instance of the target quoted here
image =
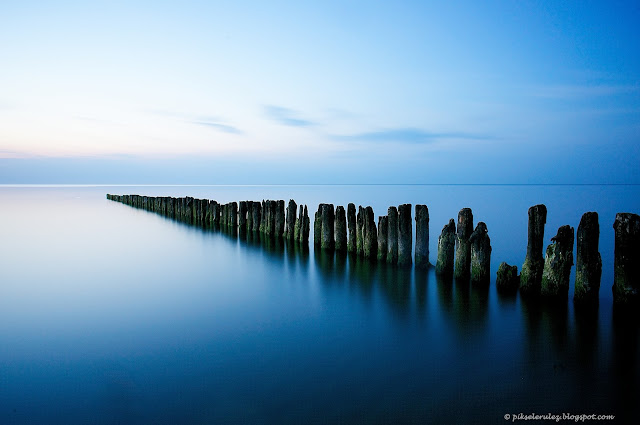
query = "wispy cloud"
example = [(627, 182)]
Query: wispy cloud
[(286, 116), (407, 135), (225, 128), (215, 123)]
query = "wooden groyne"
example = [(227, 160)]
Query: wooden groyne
[(464, 253)]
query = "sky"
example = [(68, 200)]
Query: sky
[(280, 92)]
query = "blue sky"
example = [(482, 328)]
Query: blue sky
[(320, 92)]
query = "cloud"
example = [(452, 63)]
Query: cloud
[(286, 116), (215, 123), (225, 128), (407, 135)]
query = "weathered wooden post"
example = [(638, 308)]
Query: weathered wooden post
[(257, 216), (216, 214), (351, 223), (224, 216), (305, 228), (242, 215), (189, 210), (405, 234), (480, 255), (463, 246), (268, 218), (273, 219), (422, 236), (531, 273), (359, 231), (328, 231), (341, 229), (446, 250), (206, 206), (507, 279), (626, 262), (298, 226), (249, 223), (177, 213), (370, 234), (392, 235), (557, 264), (383, 232), (317, 227), (290, 221), (588, 262), (164, 205), (280, 219), (263, 217), (197, 210)]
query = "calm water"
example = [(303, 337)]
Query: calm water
[(110, 314)]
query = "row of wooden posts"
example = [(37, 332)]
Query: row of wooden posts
[(463, 252)]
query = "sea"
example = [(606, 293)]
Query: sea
[(115, 315)]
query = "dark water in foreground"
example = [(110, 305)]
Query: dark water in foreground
[(110, 314)]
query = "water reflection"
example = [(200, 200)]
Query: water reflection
[(546, 326), (465, 305), (624, 367), (395, 283), (421, 282)]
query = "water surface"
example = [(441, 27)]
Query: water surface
[(109, 314)]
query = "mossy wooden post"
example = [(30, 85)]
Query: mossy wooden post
[(480, 255), (208, 212), (351, 223), (463, 246), (359, 231), (217, 210), (446, 249), (184, 209), (263, 217), (405, 234), (278, 229), (173, 206), (328, 231), (189, 210), (202, 210), (267, 217), (290, 221), (305, 228), (257, 216), (626, 262), (531, 273), (507, 279), (164, 206), (273, 217), (370, 234), (558, 261), (197, 211), (392, 235), (422, 236), (177, 212), (341, 229), (242, 215), (317, 227), (383, 233), (298, 226), (249, 223), (588, 261)]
